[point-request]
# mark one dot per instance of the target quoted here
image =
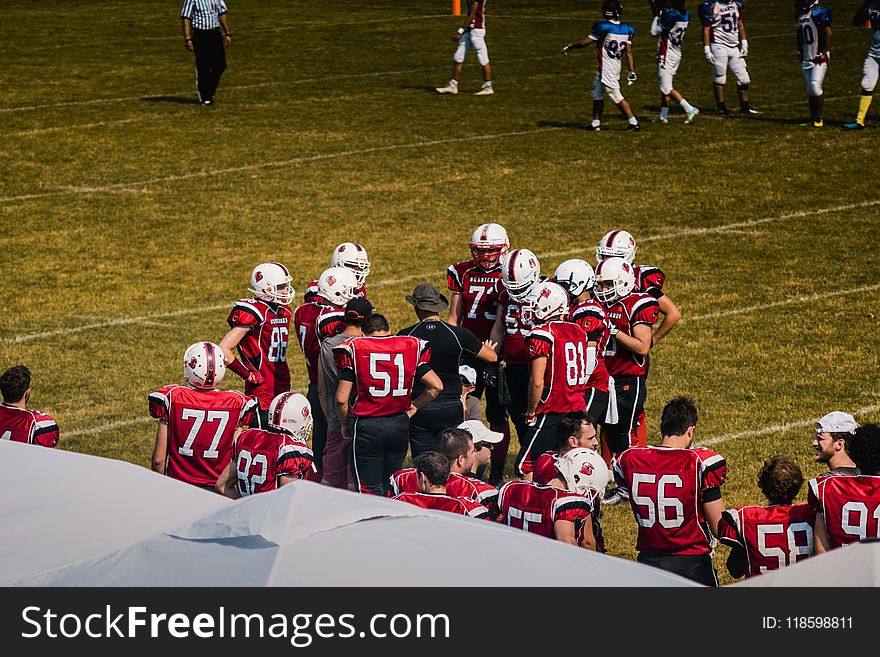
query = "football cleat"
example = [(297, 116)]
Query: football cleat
[(486, 90), (448, 89), (750, 109), (723, 111), (692, 115), (662, 119), (854, 126), (633, 127), (594, 128)]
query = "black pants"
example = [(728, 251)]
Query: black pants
[(210, 61), (319, 426), (539, 438), (260, 420), (697, 567), (518, 387), (597, 405), (431, 420), (631, 392), (378, 448)]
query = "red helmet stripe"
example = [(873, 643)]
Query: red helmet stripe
[(511, 262), (276, 418), (211, 373), (485, 233), (610, 239)]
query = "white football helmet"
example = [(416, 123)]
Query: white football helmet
[(545, 300), (615, 279), (617, 244), (520, 270), (488, 243), (338, 285), (267, 281), (352, 256), (291, 413), (576, 276), (203, 365), (584, 472)]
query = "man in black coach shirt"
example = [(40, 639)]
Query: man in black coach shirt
[(202, 20), (448, 344)]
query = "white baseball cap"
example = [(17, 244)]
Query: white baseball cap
[(480, 432), (837, 422), (469, 374)]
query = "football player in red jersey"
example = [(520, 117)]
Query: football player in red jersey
[(460, 449), (351, 256), (631, 315), (197, 421), (574, 430), (267, 460), (553, 511), (848, 508), (578, 278), (432, 470), (583, 471), (831, 443), (473, 285), (675, 493), (380, 368), (259, 329), (17, 422), (559, 368), (649, 280), (314, 321), (765, 538), (520, 271)]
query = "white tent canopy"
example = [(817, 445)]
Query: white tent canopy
[(852, 565), (311, 535), (58, 507)]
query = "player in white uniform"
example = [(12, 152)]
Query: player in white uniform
[(868, 13), (725, 46), (613, 40), (669, 26), (471, 36), (814, 47)]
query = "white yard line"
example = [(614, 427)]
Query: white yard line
[(119, 424), (777, 428), (784, 302), (430, 275)]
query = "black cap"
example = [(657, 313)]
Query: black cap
[(427, 297), (358, 308)]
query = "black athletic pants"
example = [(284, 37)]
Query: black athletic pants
[(539, 438), (495, 412), (378, 448), (210, 61), (631, 392), (697, 567), (319, 428), (431, 420)]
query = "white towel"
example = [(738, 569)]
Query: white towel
[(611, 414)]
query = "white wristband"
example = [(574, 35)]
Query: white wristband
[(461, 30), (745, 44), (707, 49)]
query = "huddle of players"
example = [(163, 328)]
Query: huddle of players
[(725, 46)]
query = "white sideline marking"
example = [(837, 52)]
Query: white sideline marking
[(276, 164), (785, 302), (410, 277), (107, 427), (778, 427), (114, 322)]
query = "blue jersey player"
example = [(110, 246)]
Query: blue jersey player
[(669, 26), (613, 41), (814, 48), (868, 13)]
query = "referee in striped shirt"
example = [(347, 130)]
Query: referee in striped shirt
[(202, 20)]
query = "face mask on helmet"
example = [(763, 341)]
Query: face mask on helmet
[(544, 301), (271, 282), (291, 413), (520, 270), (354, 257), (617, 244), (337, 285), (488, 243), (203, 365), (614, 280), (584, 472), (576, 276), (612, 9)]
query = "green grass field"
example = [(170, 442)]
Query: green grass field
[(131, 217)]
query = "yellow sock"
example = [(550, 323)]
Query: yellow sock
[(864, 104)]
